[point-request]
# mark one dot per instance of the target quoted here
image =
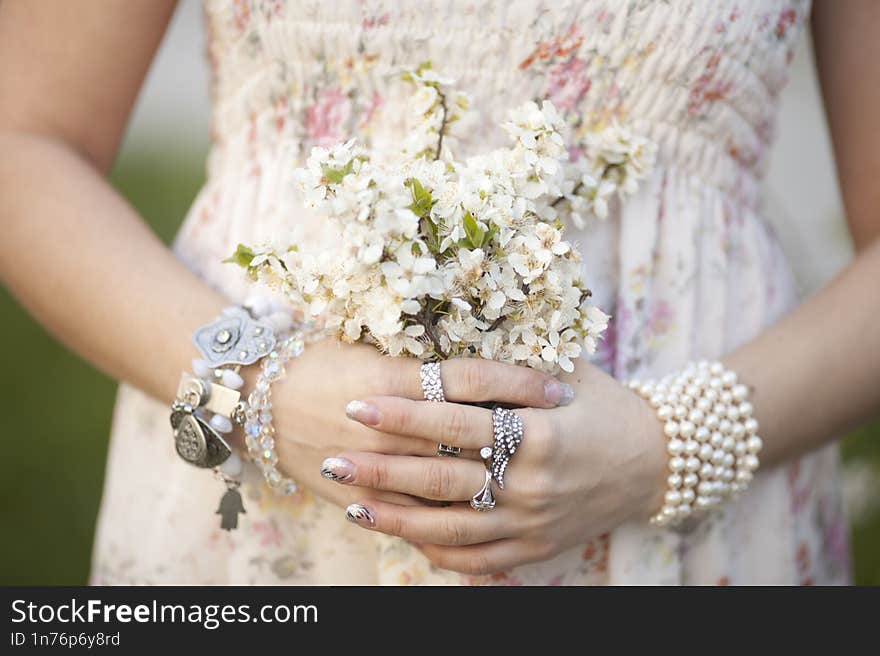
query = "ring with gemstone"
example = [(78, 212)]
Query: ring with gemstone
[(507, 428), (432, 389)]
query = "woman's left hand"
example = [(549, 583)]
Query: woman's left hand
[(580, 471)]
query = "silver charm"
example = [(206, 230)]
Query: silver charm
[(195, 440), (484, 499), (234, 338)]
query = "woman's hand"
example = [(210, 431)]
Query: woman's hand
[(580, 471), (310, 407)]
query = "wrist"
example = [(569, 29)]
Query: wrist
[(653, 461)]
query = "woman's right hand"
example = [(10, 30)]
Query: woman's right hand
[(310, 405)]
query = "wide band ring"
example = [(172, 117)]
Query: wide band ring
[(432, 389)]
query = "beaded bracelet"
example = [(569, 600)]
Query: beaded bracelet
[(712, 444), (258, 428)]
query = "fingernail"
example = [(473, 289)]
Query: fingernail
[(362, 412), (558, 393), (337, 469), (359, 515)]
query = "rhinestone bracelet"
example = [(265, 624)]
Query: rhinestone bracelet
[(712, 438)]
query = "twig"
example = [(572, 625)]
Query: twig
[(442, 124)]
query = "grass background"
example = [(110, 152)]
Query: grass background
[(58, 410)]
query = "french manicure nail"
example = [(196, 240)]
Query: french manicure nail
[(558, 393), (359, 515), (337, 469), (363, 412)]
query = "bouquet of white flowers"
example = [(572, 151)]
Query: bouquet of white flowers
[(438, 258)]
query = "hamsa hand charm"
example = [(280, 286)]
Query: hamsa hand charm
[(196, 442)]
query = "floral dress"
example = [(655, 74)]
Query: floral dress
[(687, 267)]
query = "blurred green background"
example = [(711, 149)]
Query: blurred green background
[(58, 413)]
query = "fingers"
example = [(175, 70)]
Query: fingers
[(450, 423), (440, 479), (484, 559), (475, 379), (455, 525)]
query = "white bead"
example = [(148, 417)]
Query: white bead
[(706, 451), (738, 430), (720, 410), (645, 391), (707, 471), (702, 434), (718, 474), (711, 422), (739, 449), (740, 392), (685, 510), (715, 383), (716, 368), (702, 503), (725, 426), (728, 460), (716, 439), (696, 416), (705, 488), (726, 397), (751, 426), (231, 379), (674, 481), (673, 498), (728, 475), (746, 409), (670, 428), (692, 464), (672, 399), (691, 448), (728, 378), (657, 400), (754, 444), (681, 412), (669, 512), (201, 368), (676, 388), (686, 429), (676, 464), (674, 447), (690, 480), (687, 495), (664, 412), (733, 412), (751, 462), (743, 477), (728, 443), (717, 457), (232, 466), (711, 395), (686, 400), (634, 384), (221, 424), (703, 404)]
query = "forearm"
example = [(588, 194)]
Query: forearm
[(816, 373), (81, 260)]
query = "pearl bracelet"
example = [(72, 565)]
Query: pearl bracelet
[(712, 444)]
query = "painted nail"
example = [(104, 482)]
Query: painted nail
[(558, 393), (359, 515), (363, 412), (337, 469)]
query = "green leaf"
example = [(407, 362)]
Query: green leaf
[(335, 175), (242, 257), (422, 200), (473, 231)]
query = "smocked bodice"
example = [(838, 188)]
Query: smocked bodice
[(700, 78)]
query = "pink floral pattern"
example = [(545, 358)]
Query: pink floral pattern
[(687, 267)]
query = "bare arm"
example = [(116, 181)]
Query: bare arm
[(73, 252), (817, 373)]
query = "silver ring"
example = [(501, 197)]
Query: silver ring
[(508, 432), (432, 389), (484, 499)]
